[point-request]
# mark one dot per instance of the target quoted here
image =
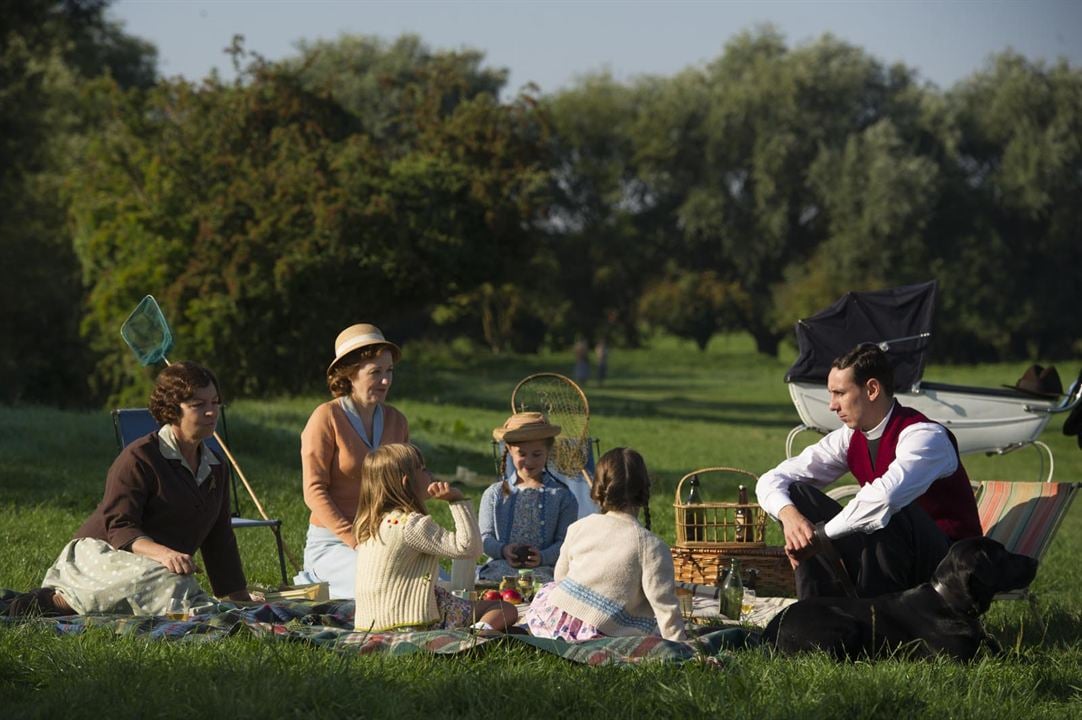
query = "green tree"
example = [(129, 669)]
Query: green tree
[(266, 217), (1010, 272), (48, 52)]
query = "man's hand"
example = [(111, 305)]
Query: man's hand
[(799, 535)]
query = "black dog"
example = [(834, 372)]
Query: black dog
[(939, 617)]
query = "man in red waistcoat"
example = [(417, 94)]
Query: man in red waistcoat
[(914, 498)]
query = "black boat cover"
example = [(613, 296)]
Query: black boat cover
[(897, 319)]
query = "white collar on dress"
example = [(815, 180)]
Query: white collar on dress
[(170, 450), (877, 432)]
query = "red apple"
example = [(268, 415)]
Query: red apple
[(511, 595), (491, 595)]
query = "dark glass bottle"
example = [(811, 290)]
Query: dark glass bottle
[(744, 531), (731, 597), (694, 519)]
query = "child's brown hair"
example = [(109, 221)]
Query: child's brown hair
[(622, 483), (382, 490)]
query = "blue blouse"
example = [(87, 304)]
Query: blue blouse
[(558, 510)]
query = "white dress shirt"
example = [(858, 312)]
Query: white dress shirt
[(923, 455)]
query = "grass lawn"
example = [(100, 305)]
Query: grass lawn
[(681, 408)]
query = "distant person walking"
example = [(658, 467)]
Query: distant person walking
[(601, 355), (582, 361)]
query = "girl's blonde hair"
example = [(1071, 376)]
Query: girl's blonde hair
[(622, 483), (382, 490)]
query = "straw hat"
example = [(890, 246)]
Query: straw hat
[(525, 426), (360, 336)]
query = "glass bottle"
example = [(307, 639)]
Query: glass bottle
[(731, 596), (744, 532), (526, 583), (694, 520)]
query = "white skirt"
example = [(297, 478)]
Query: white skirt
[(93, 577)]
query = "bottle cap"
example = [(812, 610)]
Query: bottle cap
[(525, 571)]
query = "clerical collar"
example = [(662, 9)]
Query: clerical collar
[(877, 432)]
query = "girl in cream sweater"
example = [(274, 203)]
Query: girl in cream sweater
[(614, 577), (399, 546)]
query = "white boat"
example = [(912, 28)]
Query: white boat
[(988, 420), (898, 320)]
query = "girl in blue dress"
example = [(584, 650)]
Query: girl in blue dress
[(524, 517)]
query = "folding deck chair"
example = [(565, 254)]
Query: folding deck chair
[(1023, 516), (133, 423)]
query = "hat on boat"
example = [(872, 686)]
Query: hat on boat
[(359, 336), (525, 426), (1042, 381)]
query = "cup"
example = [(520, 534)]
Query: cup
[(687, 603), (176, 609)]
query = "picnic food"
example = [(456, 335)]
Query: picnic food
[(491, 595), (511, 595)]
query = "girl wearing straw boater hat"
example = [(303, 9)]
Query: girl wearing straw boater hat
[(524, 517), (338, 436)]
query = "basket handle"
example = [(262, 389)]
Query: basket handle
[(700, 471)]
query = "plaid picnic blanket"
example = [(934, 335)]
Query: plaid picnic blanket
[(330, 625)]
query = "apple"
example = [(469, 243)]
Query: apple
[(491, 595), (511, 595)]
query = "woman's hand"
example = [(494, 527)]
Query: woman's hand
[(444, 491), (173, 560)]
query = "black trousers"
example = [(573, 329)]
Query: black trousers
[(902, 555)]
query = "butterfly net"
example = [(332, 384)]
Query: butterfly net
[(564, 404), (147, 333)]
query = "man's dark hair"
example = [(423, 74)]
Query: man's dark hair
[(868, 361)]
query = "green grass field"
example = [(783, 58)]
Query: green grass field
[(681, 408)]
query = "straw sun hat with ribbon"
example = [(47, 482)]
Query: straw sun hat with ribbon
[(524, 427), (359, 336)]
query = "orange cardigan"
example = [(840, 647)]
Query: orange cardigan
[(331, 457)]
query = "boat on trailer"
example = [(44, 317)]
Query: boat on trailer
[(994, 421)]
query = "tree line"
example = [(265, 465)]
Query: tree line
[(386, 181)]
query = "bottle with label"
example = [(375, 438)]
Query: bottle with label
[(744, 531), (694, 519), (731, 597)]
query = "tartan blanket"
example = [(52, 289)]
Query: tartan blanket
[(330, 625)]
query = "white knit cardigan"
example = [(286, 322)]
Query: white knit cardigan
[(618, 576), (397, 571)]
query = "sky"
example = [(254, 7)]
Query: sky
[(553, 42)]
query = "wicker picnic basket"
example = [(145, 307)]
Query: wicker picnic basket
[(709, 534)]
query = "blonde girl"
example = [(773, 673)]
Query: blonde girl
[(399, 546), (524, 517), (614, 577)]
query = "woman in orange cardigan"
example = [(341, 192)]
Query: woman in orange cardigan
[(338, 436)]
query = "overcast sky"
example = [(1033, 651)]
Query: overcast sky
[(551, 42)]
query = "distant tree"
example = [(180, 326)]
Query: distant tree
[(1011, 273), (693, 305), (266, 216), (48, 52)]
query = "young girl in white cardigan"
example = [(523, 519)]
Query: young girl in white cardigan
[(614, 577), (399, 546)]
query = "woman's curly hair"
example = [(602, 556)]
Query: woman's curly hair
[(340, 377), (176, 384)]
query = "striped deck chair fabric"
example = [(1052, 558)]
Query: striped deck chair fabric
[(1024, 516)]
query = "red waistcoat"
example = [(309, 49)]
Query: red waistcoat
[(948, 500)]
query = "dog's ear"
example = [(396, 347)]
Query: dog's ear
[(986, 573)]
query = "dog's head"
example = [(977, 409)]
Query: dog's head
[(975, 569)]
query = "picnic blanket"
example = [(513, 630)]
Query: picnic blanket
[(330, 625)]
